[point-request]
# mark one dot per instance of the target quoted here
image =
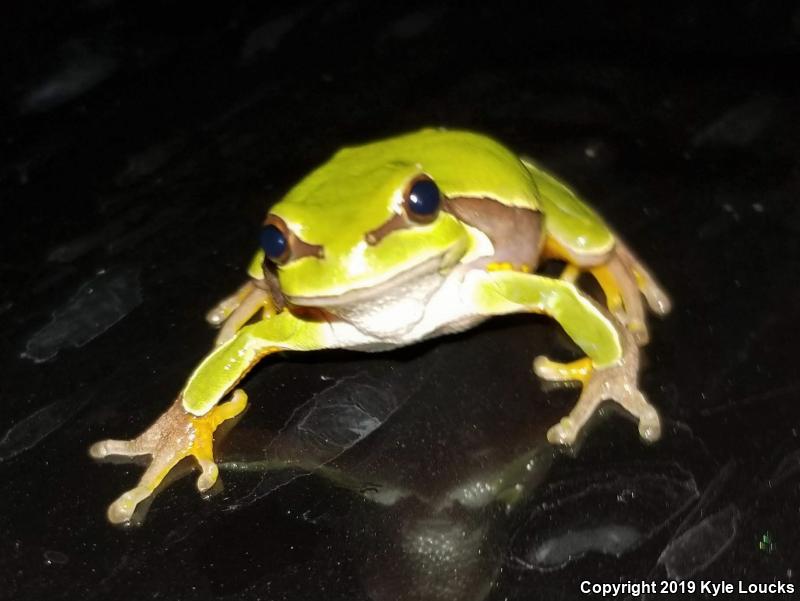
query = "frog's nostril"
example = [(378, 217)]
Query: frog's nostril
[(396, 222)]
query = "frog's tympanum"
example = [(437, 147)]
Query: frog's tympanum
[(402, 240)]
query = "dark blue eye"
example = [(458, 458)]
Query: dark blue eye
[(274, 243), (423, 200)]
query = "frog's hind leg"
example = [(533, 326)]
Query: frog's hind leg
[(623, 298), (657, 298), (623, 279)]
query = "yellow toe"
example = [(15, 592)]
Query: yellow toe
[(231, 408), (121, 510), (209, 476), (579, 370)]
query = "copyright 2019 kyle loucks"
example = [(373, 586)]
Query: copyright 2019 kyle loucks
[(718, 588)]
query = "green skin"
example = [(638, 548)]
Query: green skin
[(357, 191)]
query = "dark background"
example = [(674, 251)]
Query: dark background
[(141, 145)]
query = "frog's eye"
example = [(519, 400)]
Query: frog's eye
[(281, 245), (422, 200), (275, 242)]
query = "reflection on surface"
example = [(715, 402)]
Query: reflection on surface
[(630, 506), (444, 529), (93, 309)]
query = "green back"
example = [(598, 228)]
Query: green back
[(356, 190)]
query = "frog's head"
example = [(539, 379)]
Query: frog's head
[(375, 216)]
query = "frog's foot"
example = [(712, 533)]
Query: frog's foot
[(175, 435), (234, 311), (624, 281), (257, 299), (657, 298), (224, 308), (622, 297), (617, 383)]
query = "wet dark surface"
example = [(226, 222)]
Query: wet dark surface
[(141, 147)]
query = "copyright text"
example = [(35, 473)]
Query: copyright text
[(667, 587)]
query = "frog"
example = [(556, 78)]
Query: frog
[(397, 241)]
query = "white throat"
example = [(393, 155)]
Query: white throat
[(392, 316)]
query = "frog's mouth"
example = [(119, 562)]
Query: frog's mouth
[(428, 274)]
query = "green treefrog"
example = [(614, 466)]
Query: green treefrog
[(400, 240)]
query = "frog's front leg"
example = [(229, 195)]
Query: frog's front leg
[(174, 436), (187, 427), (234, 311), (610, 372)]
